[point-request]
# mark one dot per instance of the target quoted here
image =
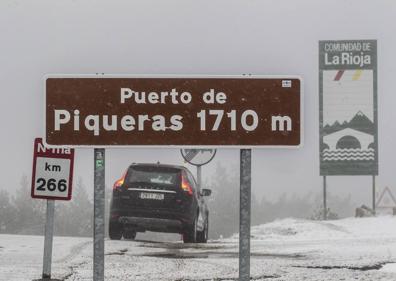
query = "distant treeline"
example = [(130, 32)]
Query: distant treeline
[(19, 214)]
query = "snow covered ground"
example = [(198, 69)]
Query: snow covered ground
[(289, 249)]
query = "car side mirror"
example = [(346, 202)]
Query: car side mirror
[(206, 192)]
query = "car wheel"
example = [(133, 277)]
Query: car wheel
[(129, 234), (115, 231), (190, 234), (202, 236)]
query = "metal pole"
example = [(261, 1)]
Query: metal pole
[(199, 177), (49, 234), (244, 215), (324, 198), (374, 194), (99, 210)]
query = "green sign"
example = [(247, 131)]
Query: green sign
[(99, 163), (348, 107)]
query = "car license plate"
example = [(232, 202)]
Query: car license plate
[(153, 196)]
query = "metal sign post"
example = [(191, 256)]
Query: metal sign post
[(374, 207), (49, 234), (99, 211), (324, 198), (244, 215), (199, 176)]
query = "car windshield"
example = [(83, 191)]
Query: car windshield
[(152, 175)]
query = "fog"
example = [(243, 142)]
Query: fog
[(190, 37)]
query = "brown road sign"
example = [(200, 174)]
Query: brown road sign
[(243, 111)]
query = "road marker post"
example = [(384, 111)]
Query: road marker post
[(49, 235), (52, 179)]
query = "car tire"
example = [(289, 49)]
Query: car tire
[(190, 234), (129, 234), (202, 236), (115, 231)]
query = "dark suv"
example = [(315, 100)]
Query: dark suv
[(157, 197)]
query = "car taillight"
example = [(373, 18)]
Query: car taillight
[(186, 186), (119, 182)]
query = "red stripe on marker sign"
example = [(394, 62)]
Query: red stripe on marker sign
[(339, 75)]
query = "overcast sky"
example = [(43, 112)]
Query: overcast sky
[(190, 37)]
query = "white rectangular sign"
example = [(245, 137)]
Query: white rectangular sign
[(52, 172)]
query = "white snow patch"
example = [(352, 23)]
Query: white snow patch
[(390, 267), (287, 249), (308, 230), (21, 256)]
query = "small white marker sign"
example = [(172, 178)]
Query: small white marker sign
[(52, 175)]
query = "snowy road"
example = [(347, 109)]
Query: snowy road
[(351, 249)]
